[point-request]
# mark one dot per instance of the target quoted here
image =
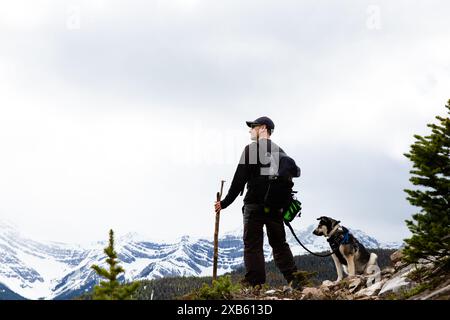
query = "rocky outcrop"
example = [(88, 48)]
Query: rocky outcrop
[(399, 281)]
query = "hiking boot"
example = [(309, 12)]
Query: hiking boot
[(296, 280), (295, 284), (257, 289), (246, 284)]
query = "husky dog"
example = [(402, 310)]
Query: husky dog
[(348, 251)]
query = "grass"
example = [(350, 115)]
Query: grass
[(221, 289)]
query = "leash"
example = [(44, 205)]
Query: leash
[(295, 236)]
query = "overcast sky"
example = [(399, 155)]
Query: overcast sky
[(127, 114)]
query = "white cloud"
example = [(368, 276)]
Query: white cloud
[(132, 119)]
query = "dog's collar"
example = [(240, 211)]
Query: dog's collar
[(339, 238), (333, 230), (336, 240)]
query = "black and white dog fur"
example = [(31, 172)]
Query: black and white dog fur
[(348, 251)]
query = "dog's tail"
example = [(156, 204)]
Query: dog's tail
[(372, 265), (373, 259), (373, 270)]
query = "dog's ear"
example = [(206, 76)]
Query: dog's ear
[(336, 222), (322, 218)]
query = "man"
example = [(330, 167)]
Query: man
[(255, 166)]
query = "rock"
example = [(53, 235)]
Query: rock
[(354, 284), (437, 293), (423, 261), (404, 271), (376, 276), (270, 298), (269, 292), (395, 284), (397, 256), (388, 271), (325, 290), (287, 289), (328, 283), (313, 293), (399, 264), (309, 290), (370, 291)]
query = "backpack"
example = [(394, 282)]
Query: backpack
[(279, 192)]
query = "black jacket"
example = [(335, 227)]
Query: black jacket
[(255, 162)]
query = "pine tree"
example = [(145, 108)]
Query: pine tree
[(112, 289), (430, 227)]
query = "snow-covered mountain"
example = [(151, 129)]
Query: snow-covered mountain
[(37, 270)]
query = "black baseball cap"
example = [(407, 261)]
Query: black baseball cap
[(260, 121)]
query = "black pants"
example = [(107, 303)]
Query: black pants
[(254, 220)]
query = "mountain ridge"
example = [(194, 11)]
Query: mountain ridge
[(55, 270)]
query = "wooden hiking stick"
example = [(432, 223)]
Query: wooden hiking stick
[(216, 235)]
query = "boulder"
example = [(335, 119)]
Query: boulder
[(397, 256), (395, 284)]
